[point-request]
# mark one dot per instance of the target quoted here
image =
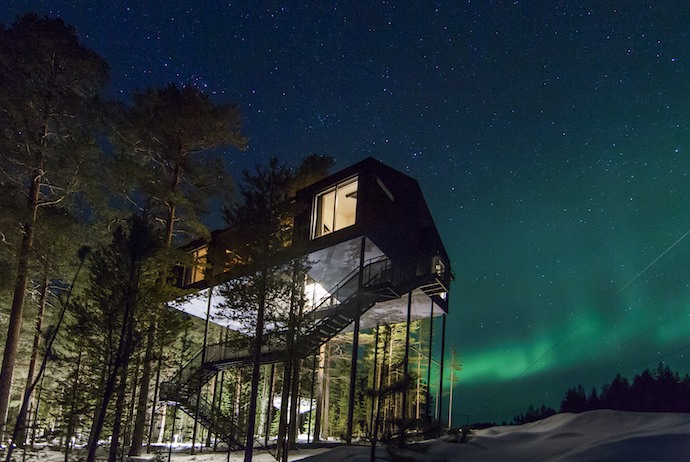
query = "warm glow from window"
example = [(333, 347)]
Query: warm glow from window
[(335, 208), (196, 272)]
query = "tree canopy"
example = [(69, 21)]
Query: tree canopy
[(49, 87), (162, 163)]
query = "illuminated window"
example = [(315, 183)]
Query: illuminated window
[(196, 272), (335, 208)]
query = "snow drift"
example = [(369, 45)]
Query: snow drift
[(600, 435)]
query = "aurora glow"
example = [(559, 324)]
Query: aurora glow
[(551, 142)]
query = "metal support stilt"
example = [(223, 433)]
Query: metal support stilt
[(407, 356), (428, 368), (355, 348), (440, 381)]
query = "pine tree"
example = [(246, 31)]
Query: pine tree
[(575, 400), (163, 166), (169, 159), (262, 226), (48, 83), (266, 287), (120, 289), (55, 245), (455, 367), (617, 394), (643, 392), (593, 400), (24, 407)]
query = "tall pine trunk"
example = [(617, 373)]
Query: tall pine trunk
[(21, 435), (282, 446), (294, 405), (119, 411), (142, 405), (17, 312), (161, 431), (237, 402), (154, 405), (129, 421), (319, 392), (121, 360), (297, 303), (72, 417), (251, 418), (269, 404)]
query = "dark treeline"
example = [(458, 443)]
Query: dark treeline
[(533, 414), (660, 390)]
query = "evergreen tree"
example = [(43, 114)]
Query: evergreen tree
[(169, 156), (575, 400), (455, 367), (533, 414), (24, 407), (166, 165), (643, 392), (262, 225), (55, 245), (120, 290), (267, 287), (617, 394), (48, 82), (74, 399), (593, 400), (668, 389)]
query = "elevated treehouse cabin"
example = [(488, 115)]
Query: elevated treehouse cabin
[(374, 258)]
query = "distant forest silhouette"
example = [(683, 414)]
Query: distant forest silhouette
[(661, 390)]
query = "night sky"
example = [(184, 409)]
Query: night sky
[(551, 141)]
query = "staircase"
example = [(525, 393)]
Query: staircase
[(184, 389), (330, 315), (381, 280)]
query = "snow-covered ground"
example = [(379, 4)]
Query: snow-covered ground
[(591, 436)]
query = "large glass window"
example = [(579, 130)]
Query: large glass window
[(196, 272), (335, 208)]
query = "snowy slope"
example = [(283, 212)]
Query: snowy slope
[(601, 435), (591, 436)]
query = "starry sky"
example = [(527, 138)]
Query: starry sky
[(550, 139)]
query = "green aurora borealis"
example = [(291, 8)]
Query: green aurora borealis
[(578, 283), (551, 140)]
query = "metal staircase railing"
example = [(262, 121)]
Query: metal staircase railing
[(328, 316), (381, 280), (184, 388), (218, 422), (190, 377), (214, 419)]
